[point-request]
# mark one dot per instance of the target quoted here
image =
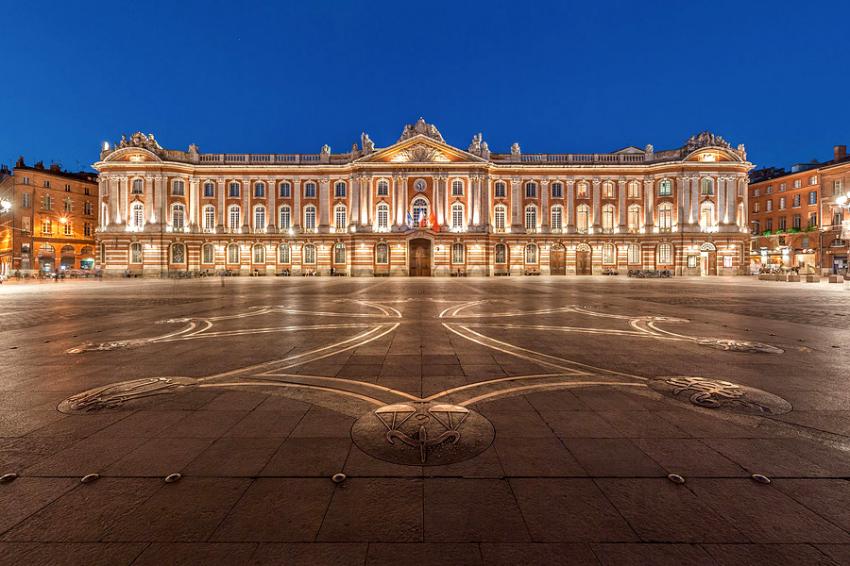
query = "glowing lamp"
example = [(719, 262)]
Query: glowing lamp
[(5, 205)]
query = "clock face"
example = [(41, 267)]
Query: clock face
[(419, 185)]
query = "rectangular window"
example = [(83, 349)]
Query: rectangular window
[(69, 230), (813, 197), (813, 219), (756, 206), (727, 262), (26, 180), (209, 190), (813, 180), (797, 222), (46, 184), (87, 229), (259, 190), (310, 190), (768, 190), (795, 202), (67, 188), (781, 203), (86, 191), (692, 261), (178, 189), (500, 219), (836, 186), (769, 225), (47, 202), (25, 200), (339, 190), (782, 187), (67, 205), (557, 190), (769, 205), (783, 222), (284, 218), (285, 190), (25, 224), (557, 218), (501, 189), (88, 208), (233, 190), (798, 183), (756, 193)]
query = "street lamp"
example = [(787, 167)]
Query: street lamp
[(5, 205)]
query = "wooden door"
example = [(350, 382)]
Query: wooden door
[(420, 258), (583, 263), (557, 261)]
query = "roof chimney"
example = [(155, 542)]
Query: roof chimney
[(839, 152)]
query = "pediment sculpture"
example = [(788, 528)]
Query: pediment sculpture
[(421, 128), (705, 139)]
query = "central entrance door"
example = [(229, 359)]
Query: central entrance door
[(557, 260), (420, 257), (583, 266)]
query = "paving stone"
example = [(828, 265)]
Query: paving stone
[(612, 457), (188, 554), (537, 457), (25, 496), (461, 510), (537, 554), (69, 554), (320, 457), (310, 554), (767, 555), (651, 555), (234, 457), (434, 554)]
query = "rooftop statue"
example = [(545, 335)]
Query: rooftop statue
[(705, 139), (421, 128)]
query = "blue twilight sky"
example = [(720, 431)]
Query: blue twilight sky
[(553, 76)]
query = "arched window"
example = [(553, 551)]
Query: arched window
[(633, 217), (665, 254), (233, 190), (310, 217), (339, 253), (209, 189), (259, 253), (138, 185), (260, 218), (457, 216), (233, 253), (457, 188), (633, 190), (383, 216), (420, 210), (557, 219), (339, 189), (310, 254), (209, 217), (499, 214), (178, 188), (178, 253), (707, 186), (382, 254), (634, 254), (665, 188), (501, 254), (607, 189), (501, 189), (259, 190), (531, 254), (531, 190), (135, 252), (609, 254), (137, 215), (457, 253), (285, 190), (310, 189), (178, 216), (340, 220), (706, 215), (234, 220), (207, 253), (581, 189), (582, 218), (283, 253), (531, 217), (383, 188), (665, 216), (285, 218), (608, 218)]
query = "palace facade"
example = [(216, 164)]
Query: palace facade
[(423, 207)]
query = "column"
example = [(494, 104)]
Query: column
[(486, 201), (125, 198), (114, 211), (366, 202), (271, 222), (220, 188), (194, 198), (695, 200), (324, 205), (398, 201), (731, 200), (162, 200), (475, 218), (516, 202), (354, 196), (648, 206), (444, 191), (571, 206), (295, 220), (102, 195), (597, 207), (681, 202), (148, 190), (440, 199), (544, 205), (621, 205), (246, 206), (720, 201)]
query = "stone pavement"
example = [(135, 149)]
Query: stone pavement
[(477, 421)]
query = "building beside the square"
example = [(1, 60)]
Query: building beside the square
[(49, 219), (798, 218), (423, 207)]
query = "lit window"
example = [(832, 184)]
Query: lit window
[(581, 190), (178, 253), (634, 254), (259, 190), (207, 252), (501, 253), (178, 188), (609, 255), (501, 189), (531, 254), (665, 216), (457, 216), (706, 215), (707, 186), (339, 253), (259, 253), (665, 254), (531, 217), (137, 187), (135, 252), (382, 254), (310, 218), (633, 190), (633, 217), (310, 254), (383, 188), (607, 189), (608, 218), (457, 253), (285, 218), (232, 253), (340, 217), (339, 189), (582, 218), (457, 188), (283, 253)]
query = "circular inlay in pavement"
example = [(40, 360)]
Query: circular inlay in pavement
[(420, 433), (116, 394), (719, 394), (730, 345)]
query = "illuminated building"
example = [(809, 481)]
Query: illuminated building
[(423, 207)]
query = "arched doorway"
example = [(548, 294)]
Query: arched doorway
[(420, 257), (708, 259), (557, 260), (583, 265), (46, 258), (66, 258)]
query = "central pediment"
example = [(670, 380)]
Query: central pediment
[(420, 148)]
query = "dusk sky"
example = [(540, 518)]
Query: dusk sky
[(554, 76)]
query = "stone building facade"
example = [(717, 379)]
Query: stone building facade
[(51, 220), (423, 207)]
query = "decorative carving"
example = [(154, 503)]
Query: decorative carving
[(719, 394), (421, 128), (742, 151), (421, 153), (326, 150), (475, 147), (116, 394), (705, 139), (515, 150), (140, 140), (366, 143), (649, 149)]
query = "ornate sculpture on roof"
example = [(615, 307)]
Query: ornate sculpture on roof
[(193, 149), (515, 150), (475, 144), (326, 149), (649, 149), (421, 128), (742, 151), (140, 140), (705, 139), (366, 143)]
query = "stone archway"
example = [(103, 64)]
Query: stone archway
[(583, 260), (420, 257), (557, 260)]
